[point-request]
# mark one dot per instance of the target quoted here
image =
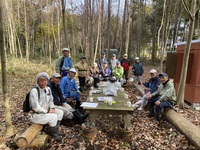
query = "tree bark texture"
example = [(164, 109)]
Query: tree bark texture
[(182, 82), (8, 123)]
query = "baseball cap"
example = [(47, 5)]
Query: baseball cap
[(56, 75), (65, 49), (103, 53), (153, 71), (163, 74), (118, 62), (125, 55), (114, 55), (83, 57), (105, 62)]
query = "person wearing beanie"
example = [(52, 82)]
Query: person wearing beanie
[(137, 71), (83, 72), (69, 88), (60, 102), (64, 62), (42, 106), (150, 87)]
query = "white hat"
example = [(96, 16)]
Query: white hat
[(56, 75), (153, 71), (65, 49), (125, 55), (137, 58), (72, 70)]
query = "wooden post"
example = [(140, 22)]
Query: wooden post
[(27, 137), (186, 127), (39, 141)]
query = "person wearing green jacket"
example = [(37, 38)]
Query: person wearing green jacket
[(118, 72), (64, 62), (166, 96)]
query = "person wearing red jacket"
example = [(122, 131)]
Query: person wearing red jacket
[(125, 63)]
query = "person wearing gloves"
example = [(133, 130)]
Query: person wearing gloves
[(64, 62), (118, 72), (137, 70), (150, 87), (60, 103), (69, 88), (83, 72), (105, 72), (43, 109), (166, 97)]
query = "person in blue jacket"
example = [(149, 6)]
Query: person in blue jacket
[(69, 88), (137, 70), (105, 72), (150, 87)]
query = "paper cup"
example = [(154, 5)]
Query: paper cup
[(126, 96), (91, 99), (90, 93), (128, 104), (110, 102)]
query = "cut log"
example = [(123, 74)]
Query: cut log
[(39, 141), (187, 128), (27, 137)]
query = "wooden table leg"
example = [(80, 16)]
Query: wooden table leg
[(127, 120), (93, 117)]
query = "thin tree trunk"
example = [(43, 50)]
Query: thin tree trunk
[(181, 88), (26, 33), (122, 29), (8, 123), (98, 31), (108, 29), (63, 21), (127, 31)]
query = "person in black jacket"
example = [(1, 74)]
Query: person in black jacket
[(137, 70), (59, 101)]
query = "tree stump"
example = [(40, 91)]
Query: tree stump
[(27, 137)]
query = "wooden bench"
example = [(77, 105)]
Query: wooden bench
[(191, 131)]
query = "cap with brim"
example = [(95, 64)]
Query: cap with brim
[(56, 75), (105, 62), (118, 62), (153, 71), (103, 53), (125, 55), (72, 70), (114, 55), (163, 74), (65, 49)]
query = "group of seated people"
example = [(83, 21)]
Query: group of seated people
[(50, 106)]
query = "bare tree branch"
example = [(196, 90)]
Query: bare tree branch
[(187, 9)]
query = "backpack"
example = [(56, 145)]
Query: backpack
[(26, 106)]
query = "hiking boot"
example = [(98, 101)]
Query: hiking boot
[(78, 116), (151, 112), (54, 134)]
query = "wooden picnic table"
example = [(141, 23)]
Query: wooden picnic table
[(119, 108)]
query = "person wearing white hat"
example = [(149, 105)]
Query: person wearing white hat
[(69, 88), (137, 70), (150, 87), (43, 109), (64, 62)]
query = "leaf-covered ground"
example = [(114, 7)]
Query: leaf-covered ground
[(146, 133)]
